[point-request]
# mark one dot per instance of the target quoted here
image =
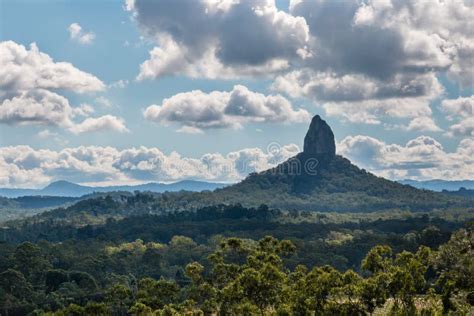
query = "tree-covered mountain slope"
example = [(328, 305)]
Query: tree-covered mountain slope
[(339, 186), (318, 179)]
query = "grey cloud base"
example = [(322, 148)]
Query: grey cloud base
[(379, 59)]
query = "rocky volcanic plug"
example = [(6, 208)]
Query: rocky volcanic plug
[(319, 146), (319, 140)]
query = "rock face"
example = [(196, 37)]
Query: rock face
[(319, 140)]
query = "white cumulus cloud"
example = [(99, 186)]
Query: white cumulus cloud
[(420, 158), (363, 99), (78, 34), (460, 111), (102, 123), (196, 110), (29, 80), (23, 69), (37, 107)]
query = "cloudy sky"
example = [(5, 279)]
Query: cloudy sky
[(113, 92)]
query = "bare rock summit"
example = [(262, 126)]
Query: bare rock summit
[(319, 140)]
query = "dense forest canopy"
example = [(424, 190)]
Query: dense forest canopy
[(242, 276), (223, 259)]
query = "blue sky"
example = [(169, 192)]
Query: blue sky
[(395, 90)]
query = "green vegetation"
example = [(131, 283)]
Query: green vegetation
[(247, 277), (222, 259), (467, 193), (25, 206), (338, 186)]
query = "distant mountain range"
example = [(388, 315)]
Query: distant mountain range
[(65, 188), (69, 189), (440, 185)]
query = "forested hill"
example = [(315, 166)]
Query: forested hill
[(318, 180), (338, 186)]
